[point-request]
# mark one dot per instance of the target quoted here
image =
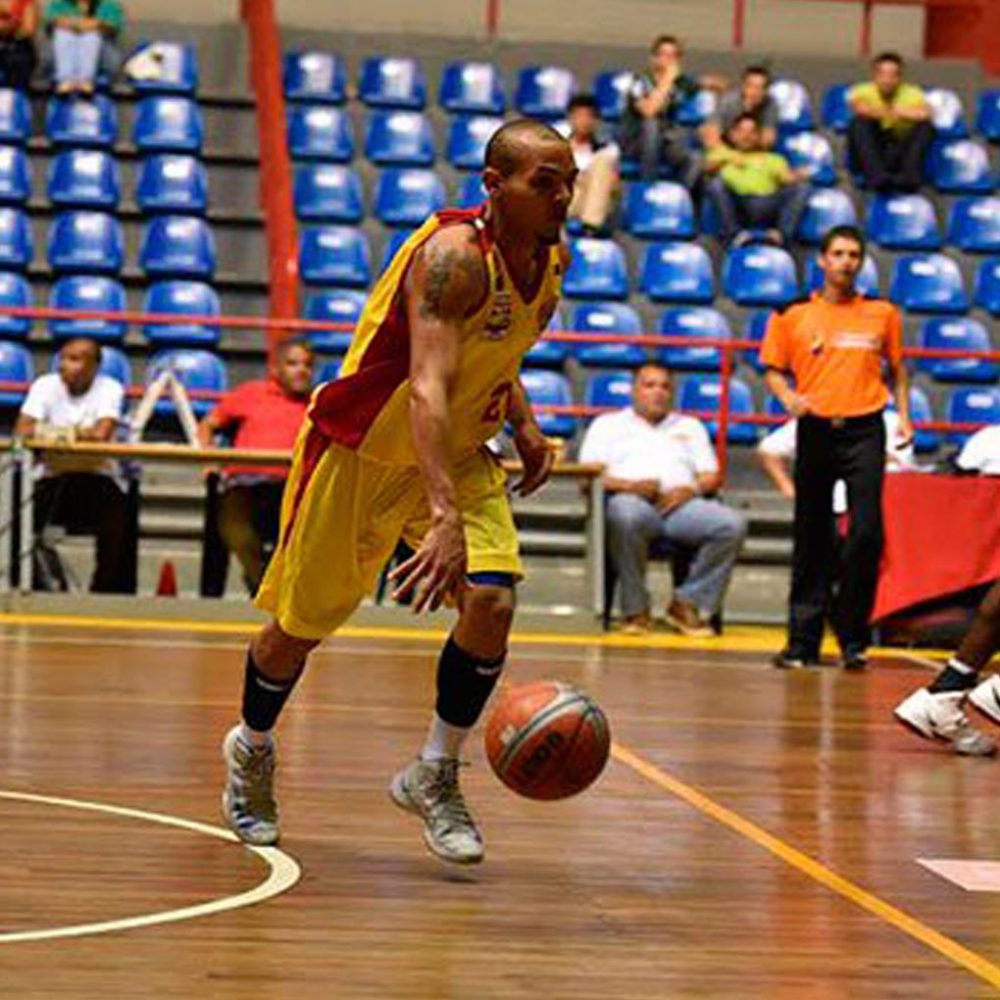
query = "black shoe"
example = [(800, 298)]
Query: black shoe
[(854, 661), (789, 659)]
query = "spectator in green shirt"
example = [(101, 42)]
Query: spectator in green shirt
[(80, 30), (890, 131), (753, 188)]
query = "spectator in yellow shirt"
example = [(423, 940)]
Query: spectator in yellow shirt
[(890, 131), (753, 188)]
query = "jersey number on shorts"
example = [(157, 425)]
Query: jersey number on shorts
[(499, 404)]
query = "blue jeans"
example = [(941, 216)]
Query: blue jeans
[(781, 210), (714, 531), (76, 55)]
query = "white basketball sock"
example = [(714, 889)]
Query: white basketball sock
[(444, 741)]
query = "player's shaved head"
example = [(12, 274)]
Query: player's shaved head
[(512, 143)]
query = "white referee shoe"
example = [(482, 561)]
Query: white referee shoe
[(939, 716), (985, 696)]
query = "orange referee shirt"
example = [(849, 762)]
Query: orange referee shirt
[(834, 351)]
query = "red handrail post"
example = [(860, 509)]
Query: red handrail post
[(739, 18), (492, 18), (867, 7), (275, 163), (721, 440)]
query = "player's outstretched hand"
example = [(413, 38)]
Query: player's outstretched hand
[(436, 570), (537, 455)]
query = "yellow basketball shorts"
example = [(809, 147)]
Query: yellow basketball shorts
[(342, 516)]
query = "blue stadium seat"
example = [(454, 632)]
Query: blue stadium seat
[(693, 321), (544, 91), (659, 210), (197, 370), (391, 82), (825, 208), (810, 151), (903, 222), (168, 124), (930, 283), (961, 166), (957, 333), (328, 371), (15, 117), (974, 225), (756, 327), (182, 299), (16, 365), (472, 193), (328, 192), (924, 440), (16, 243), (867, 281), (608, 318), (598, 270), (178, 69), (320, 133), (678, 272), (177, 246), (988, 115), (335, 255), (472, 88), (397, 238), (972, 405), (333, 307), (15, 176), (697, 109), (407, 197), (467, 139), (550, 387), (947, 113), (611, 92), (86, 243), (399, 138), (91, 124), (545, 353), (836, 111), (16, 292), (314, 77), (84, 178), (114, 364), (609, 389), (702, 393), (794, 105), (987, 293), (172, 183), (760, 276), (91, 293)]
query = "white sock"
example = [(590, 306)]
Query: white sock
[(444, 741), (253, 737), (958, 665)]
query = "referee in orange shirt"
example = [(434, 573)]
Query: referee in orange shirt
[(824, 358)]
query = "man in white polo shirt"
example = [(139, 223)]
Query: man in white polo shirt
[(659, 470), (981, 453)]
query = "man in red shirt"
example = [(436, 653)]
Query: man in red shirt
[(264, 414)]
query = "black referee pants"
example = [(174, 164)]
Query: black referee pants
[(852, 449)]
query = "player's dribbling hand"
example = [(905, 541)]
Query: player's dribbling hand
[(436, 571), (538, 457)]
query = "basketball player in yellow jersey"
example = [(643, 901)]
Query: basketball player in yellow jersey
[(395, 448)]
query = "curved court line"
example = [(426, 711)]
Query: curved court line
[(284, 873)]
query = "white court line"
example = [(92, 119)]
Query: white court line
[(284, 873)]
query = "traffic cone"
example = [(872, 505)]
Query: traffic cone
[(166, 586)]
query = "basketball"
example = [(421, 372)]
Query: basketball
[(547, 740)]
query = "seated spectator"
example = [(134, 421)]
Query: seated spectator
[(752, 98), (981, 453), (890, 131), (77, 403), (18, 24), (597, 161), (265, 414), (753, 188), (83, 36), (659, 471)]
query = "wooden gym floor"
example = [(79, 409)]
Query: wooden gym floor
[(757, 833)]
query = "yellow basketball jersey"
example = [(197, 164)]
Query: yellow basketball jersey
[(366, 409)]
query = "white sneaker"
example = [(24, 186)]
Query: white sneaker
[(939, 716), (430, 789), (248, 798), (986, 697)]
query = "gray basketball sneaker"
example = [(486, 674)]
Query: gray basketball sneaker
[(939, 715), (248, 798), (430, 789)]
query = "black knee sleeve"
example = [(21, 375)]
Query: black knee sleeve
[(464, 684)]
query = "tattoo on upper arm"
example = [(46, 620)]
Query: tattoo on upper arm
[(450, 272)]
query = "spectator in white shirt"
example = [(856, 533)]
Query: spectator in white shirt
[(597, 162), (981, 453), (77, 403), (659, 470)]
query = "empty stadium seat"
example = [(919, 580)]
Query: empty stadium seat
[(396, 239), (968, 405), (15, 117), (177, 64), (90, 293), (407, 197), (549, 387), (867, 281), (836, 111), (609, 389), (825, 208), (755, 329), (760, 276), (16, 243), (15, 176), (597, 270), (659, 210), (328, 192), (328, 371), (197, 370), (84, 178), (611, 90), (86, 243), (693, 321), (472, 88), (987, 293), (903, 222), (391, 82), (172, 182), (678, 272), (810, 151), (794, 105), (608, 318), (168, 124), (181, 299), (544, 91), (697, 109), (974, 225), (16, 292), (114, 364), (947, 113), (467, 139), (399, 138), (16, 365), (960, 166), (472, 193), (333, 307), (89, 124), (929, 283), (701, 394), (957, 333), (545, 353), (988, 115), (177, 246), (335, 255), (317, 77), (320, 133), (924, 440)]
